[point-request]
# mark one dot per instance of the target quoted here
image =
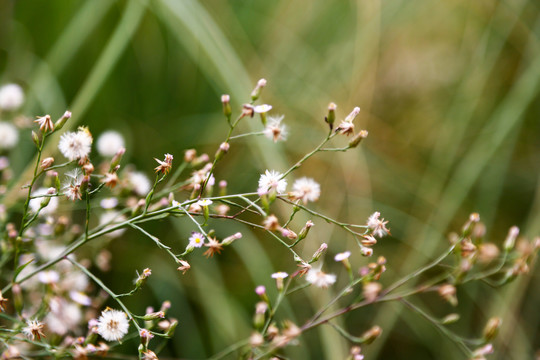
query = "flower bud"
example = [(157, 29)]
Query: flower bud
[(35, 138), (223, 149), (59, 124), (450, 319), (317, 255), (257, 90), (492, 328), (47, 163), (154, 315), (372, 334), (305, 230), (229, 239), (331, 117), (511, 238), (362, 134), (226, 101)]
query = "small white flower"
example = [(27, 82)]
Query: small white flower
[(279, 275), (264, 108), (306, 189), (109, 143), (271, 180), (63, 316), (109, 203), (35, 204), (342, 256), (113, 325), (75, 145), (9, 135), (11, 97), (196, 240), (48, 277), (274, 130), (140, 183), (319, 278), (80, 298), (378, 227), (204, 202)]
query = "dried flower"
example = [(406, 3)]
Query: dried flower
[(45, 123), (214, 247), (377, 226), (165, 165), (113, 325), (33, 329), (184, 266), (274, 130)]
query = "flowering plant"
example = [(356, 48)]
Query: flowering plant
[(54, 302)]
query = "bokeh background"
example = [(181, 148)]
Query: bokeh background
[(449, 92)]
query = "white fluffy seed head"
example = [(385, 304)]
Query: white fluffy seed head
[(11, 97), (109, 143), (9, 135), (113, 325)]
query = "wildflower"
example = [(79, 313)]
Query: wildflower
[(229, 239), (261, 109), (80, 298), (487, 252), (510, 240), (279, 276), (305, 230), (45, 123), (110, 180), (214, 247), (226, 101), (342, 256), (272, 180), (184, 266), (139, 183), (51, 203), (256, 340), (11, 97), (63, 316), (378, 227), (76, 145), (9, 136), (346, 127), (257, 90), (48, 277), (149, 355), (109, 143), (320, 278), (271, 223), (112, 325), (196, 240), (362, 134), (33, 329), (306, 189), (331, 117), (108, 203), (165, 165), (288, 233), (47, 163), (260, 290), (317, 255), (204, 202), (368, 240), (72, 189), (371, 290)]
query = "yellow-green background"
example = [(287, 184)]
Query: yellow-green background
[(449, 92)]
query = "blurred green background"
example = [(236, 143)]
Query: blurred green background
[(449, 92)]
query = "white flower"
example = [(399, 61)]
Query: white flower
[(75, 145), (63, 316), (196, 240), (112, 217), (9, 135), (109, 143), (80, 298), (378, 227), (319, 278), (109, 203), (271, 180), (113, 325), (48, 277), (306, 189), (140, 183), (279, 275), (11, 97), (204, 202), (35, 204), (264, 108), (342, 256), (274, 130)]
